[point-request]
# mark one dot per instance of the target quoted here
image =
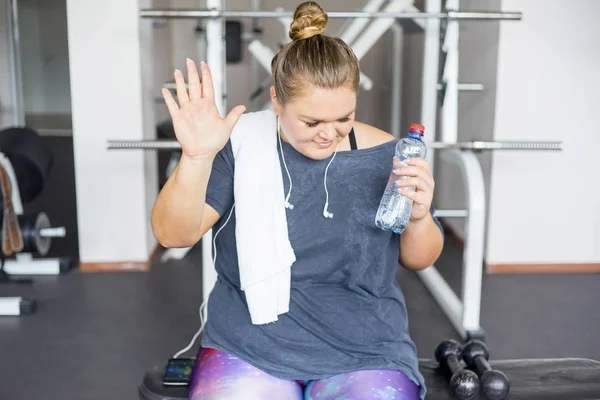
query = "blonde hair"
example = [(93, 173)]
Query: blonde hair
[(311, 58)]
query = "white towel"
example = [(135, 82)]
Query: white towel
[(265, 254)]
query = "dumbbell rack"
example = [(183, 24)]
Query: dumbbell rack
[(24, 263)]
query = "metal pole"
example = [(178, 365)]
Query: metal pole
[(428, 8), (474, 145), (223, 6), (216, 60), (465, 87), (464, 314), (286, 22), (474, 240), (504, 145), (254, 64), (376, 29), (451, 213), (449, 110), (398, 48), (14, 61), (261, 54), (214, 56), (430, 77), (214, 13), (445, 296), (201, 35), (143, 145), (354, 29)]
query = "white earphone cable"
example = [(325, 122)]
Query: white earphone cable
[(326, 212), (287, 197), (204, 303)]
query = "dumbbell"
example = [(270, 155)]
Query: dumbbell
[(494, 384), (464, 384)]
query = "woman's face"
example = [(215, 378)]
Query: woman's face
[(316, 122)]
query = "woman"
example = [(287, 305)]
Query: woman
[(346, 332)]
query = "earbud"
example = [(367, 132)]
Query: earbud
[(289, 206), (326, 213)]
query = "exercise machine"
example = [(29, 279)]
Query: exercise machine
[(439, 85), (25, 164)]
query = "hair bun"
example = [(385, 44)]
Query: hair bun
[(309, 20)]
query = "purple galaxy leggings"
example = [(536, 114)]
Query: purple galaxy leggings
[(221, 376)]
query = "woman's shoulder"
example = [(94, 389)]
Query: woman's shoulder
[(368, 136)]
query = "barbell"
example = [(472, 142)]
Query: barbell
[(476, 145)]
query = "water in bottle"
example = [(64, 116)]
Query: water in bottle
[(394, 209)]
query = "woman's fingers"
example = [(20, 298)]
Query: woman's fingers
[(193, 81), (422, 162), (207, 82), (418, 183), (412, 171), (182, 95), (417, 197), (234, 115), (419, 162), (170, 101)]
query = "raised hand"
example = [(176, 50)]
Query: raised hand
[(199, 128)]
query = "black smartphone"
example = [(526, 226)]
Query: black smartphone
[(178, 372)]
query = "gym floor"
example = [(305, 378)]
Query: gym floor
[(94, 335)]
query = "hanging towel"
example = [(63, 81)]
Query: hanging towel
[(265, 254)]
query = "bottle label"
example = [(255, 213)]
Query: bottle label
[(412, 150)]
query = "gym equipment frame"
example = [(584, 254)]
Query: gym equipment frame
[(439, 86), (24, 263)]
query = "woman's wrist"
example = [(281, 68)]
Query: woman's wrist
[(420, 223), (198, 160)]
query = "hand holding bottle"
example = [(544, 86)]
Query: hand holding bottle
[(415, 182)]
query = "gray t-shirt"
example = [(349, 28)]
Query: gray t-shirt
[(347, 311)]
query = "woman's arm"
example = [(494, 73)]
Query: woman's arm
[(180, 216), (422, 240), (420, 244)]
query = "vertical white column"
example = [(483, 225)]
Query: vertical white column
[(216, 53), (107, 94), (216, 61), (474, 241), (201, 41), (254, 64), (450, 78), (397, 61), (429, 101), (12, 109)]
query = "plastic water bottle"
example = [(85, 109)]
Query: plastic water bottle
[(394, 209)]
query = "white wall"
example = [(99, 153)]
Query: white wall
[(110, 70), (548, 89)]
